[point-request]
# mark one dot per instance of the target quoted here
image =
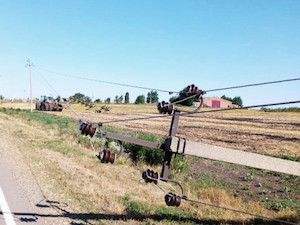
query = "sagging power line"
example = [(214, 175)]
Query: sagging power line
[(108, 82), (209, 111), (252, 85), (167, 91)]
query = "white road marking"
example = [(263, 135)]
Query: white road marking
[(5, 210)]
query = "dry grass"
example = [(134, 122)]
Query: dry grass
[(71, 174)]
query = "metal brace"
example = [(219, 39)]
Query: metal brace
[(175, 144)]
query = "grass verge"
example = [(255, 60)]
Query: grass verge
[(69, 168)]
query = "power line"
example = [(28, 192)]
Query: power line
[(189, 113), (67, 105), (183, 114), (251, 85), (167, 91), (245, 107), (108, 82), (51, 87)]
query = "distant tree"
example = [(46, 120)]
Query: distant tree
[(237, 101), (107, 101), (116, 99), (226, 98), (126, 98), (58, 98), (1, 98), (98, 100), (86, 99), (78, 96), (153, 95), (172, 99), (181, 96), (120, 99), (140, 99)]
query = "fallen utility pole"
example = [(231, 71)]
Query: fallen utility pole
[(176, 145)]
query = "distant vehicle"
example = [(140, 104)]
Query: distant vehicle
[(47, 103)]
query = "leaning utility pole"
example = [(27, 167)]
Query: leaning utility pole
[(29, 66)]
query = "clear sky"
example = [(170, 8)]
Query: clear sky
[(159, 44)]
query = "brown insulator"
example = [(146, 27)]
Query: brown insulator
[(172, 199), (145, 177), (83, 127), (152, 176), (87, 128), (91, 131), (170, 109), (107, 156), (159, 107)]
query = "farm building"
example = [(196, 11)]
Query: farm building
[(216, 102)]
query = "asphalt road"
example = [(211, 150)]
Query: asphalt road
[(15, 208)]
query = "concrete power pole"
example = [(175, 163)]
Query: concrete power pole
[(29, 66)]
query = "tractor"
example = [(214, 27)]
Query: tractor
[(47, 103)]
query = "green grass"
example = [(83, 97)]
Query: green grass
[(143, 211), (59, 146), (63, 124), (141, 153), (282, 204)]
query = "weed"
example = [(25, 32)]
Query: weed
[(135, 209), (250, 176), (282, 204), (286, 189), (266, 191)]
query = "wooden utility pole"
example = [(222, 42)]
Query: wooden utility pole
[(30, 76)]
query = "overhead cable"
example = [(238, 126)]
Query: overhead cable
[(167, 91), (108, 82), (245, 107), (251, 85), (66, 104), (210, 111)]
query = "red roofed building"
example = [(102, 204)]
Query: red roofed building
[(216, 102)]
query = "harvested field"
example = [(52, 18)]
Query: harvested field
[(276, 134)]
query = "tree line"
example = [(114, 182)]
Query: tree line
[(152, 97)]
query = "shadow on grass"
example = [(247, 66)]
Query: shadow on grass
[(90, 218)]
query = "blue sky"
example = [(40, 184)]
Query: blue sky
[(160, 44)]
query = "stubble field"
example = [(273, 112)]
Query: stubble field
[(269, 133)]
